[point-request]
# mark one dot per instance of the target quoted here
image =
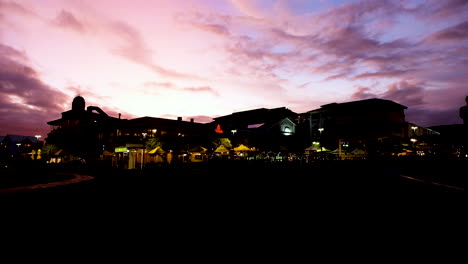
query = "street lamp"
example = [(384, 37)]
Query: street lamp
[(18, 148), (143, 150), (413, 140), (320, 130), (38, 150), (414, 130)]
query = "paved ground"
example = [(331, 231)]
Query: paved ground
[(324, 197)]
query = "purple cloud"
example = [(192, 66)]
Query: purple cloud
[(26, 103), (441, 10), (455, 34), (414, 95)]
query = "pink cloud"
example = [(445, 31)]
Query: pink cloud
[(382, 74), (406, 92), (248, 8), (136, 50), (363, 93), (15, 8), (201, 89), (159, 84), (66, 19), (213, 28)]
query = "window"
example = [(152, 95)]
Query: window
[(287, 131)]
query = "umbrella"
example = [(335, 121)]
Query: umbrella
[(197, 149), (157, 150), (311, 148), (358, 152), (221, 148), (241, 147)]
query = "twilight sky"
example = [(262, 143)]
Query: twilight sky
[(206, 58)]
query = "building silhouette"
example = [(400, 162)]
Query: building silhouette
[(19, 146), (375, 126), (266, 129)]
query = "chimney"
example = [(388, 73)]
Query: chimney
[(179, 118), (119, 115)]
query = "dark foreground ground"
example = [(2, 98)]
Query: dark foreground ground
[(323, 197)]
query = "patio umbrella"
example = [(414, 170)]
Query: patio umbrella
[(157, 150), (311, 149), (241, 147), (198, 149), (358, 152), (221, 149)]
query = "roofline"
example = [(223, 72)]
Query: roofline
[(325, 106)]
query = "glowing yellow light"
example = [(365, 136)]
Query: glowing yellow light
[(121, 149)]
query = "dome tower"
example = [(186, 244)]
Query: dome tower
[(78, 104)]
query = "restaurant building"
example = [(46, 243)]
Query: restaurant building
[(373, 126)]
